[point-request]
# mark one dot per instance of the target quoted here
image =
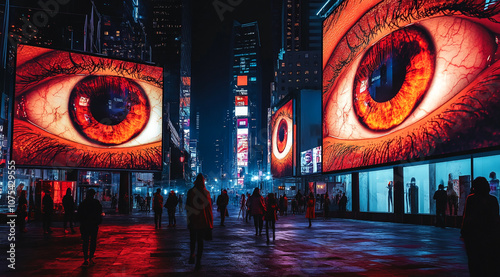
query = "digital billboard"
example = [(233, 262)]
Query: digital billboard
[(283, 141), (82, 111), (310, 161), (405, 80), (240, 100), (242, 144)]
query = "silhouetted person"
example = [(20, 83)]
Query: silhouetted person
[(171, 203), (343, 204), (257, 210), (311, 208), (452, 197), (247, 216), (480, 229), (48, 210), (22, 211), (114, 202), (326, 206), (90, 215), (285, 205), (69, 210), (222, 202), (271, 208), (440, 197), (413, 194), (180, 203), (199, 218), (243, 206), (158, 208), (148, 203), (390, 186), (300, 201)]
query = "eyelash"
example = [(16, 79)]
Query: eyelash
[(414, 13)]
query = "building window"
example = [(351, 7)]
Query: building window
[(306, 72), (298, 63), (374, 193)]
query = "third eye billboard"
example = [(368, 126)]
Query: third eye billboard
[(404, 80), (82, 111), (283, 141)]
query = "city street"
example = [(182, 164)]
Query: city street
[(128, 245)]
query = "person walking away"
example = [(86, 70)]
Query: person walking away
[(90, 215), (285, 205), (170, 204), (311, 204), (343, 204), (22, 211), (440, 196), (148, 203), (257, 210), (243, 207), (248, 207), (299, 198), (158, 208), (222, 202), (281, 205), (199, 218), (272, 207), (48, 209), (480, 229), (180, 203), (69, 210), (326, 206)]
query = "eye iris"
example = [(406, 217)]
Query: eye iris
[(282, 135), (393, 77), (108, 110)]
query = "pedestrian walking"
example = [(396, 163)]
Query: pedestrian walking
[(90, 215), (243, 206), (257, 210), (326, 206), (180, 203), (299, 199), (271, 208), (158, 208), (248, 215), (48, 209), (148, 203), (311, 204), (170, 204), (285, 205), (343, 204), (222, 202), (199, 218), (69, 210), (480, 229), (22, 211), (440, 196)]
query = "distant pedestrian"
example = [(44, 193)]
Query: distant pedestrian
[(148, 203), (311, 205), (171, 204), (222, 202), (285, 205), (326, 206), (295, 208), (22, 211), (48, 210), (158, 208), (114, 202), (243, 206), (180, 203), (440, 197), (90, 215), (271, 208), (248, 207), (257, 210), (299, 199), (199, 218), (281, 205), (69, 210), (343, 204), (480, 229)]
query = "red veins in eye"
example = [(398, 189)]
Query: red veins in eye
[(109, 110), (282, 135), (393, 77)]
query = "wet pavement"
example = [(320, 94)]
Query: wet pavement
[(128, 245)]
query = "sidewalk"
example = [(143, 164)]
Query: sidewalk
[(128, 245)]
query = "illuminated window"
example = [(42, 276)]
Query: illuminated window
[(298, 63), (117, 33), (242, 80), (306, 72), (283, 64), (106, 33)]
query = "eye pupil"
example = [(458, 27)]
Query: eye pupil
[(388, 78), (282, 135), (108, 109)]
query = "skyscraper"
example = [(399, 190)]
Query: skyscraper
[(247, 92)]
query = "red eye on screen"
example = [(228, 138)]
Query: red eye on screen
[(282, 135)]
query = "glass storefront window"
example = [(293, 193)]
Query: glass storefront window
[(455, 176), (341, 184), (376, 191), (417, 195), (488, 167)]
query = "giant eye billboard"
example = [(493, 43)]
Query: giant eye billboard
[(404, 80), (283, 141), (77, 110)]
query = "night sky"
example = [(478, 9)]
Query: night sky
[(211, 59)]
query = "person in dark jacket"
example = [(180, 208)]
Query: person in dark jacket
[(48, 209), (171, 204), (257, 210), (271, 209), (158, 208), (480, 229), (22, 211), (222, 202), (90, 215), (199, 217), (440, 196), (69, 210)]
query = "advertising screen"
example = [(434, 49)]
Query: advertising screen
[(242, 123), (406, 80), (242, 155), (282, 141), (241, 101), (241, 111), (306, 162), (82, 111)]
